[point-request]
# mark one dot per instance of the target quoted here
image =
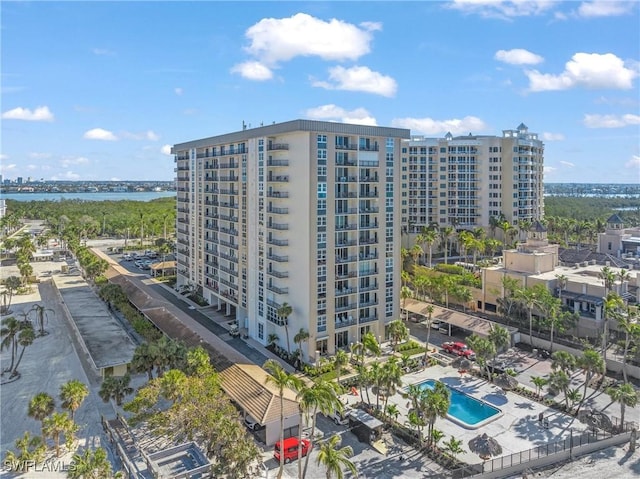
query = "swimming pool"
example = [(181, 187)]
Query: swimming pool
[(465, 410)]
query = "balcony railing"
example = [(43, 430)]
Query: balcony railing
[(273, 162), (277, 146), (278, 211), (278, 226), (278, 274), (278, 194), (278, 258), (278, 242), (278, 290)]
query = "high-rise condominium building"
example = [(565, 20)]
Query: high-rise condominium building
[(302, 213), (465, 181)]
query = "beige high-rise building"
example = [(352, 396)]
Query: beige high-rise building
[(304, 213), (465, 181)]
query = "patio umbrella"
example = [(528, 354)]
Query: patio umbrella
[(506, 382), (598, 420), (485, 446)]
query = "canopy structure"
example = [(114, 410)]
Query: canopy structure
[(485, 446)]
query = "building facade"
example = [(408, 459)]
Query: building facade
[(465, 181), (302, 213)]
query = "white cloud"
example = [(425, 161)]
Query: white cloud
[(547, 136), (69, 175), (503, 9), (549, 169), (429, 126), (589, 70), (32, 167), (275, 40), (80, 160), (567, 163), (165, 150), (359, 78), (41, 113), (99, 134), (518, 56), (178, 91), (253, 71), (7, 167), (3, 157), (146, 135), (634, 162), (39, 155), (610, 121), (604, 8), (359, 116)]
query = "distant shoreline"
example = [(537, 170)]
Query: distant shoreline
[(88, 196)]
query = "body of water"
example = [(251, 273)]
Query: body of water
[(466, 410), (130, 196)]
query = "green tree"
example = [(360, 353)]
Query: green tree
[(563, 361), (116, 388), (500, 338), (530, 298), (628, 323), (11, 284), (398, 331), (591, 364), (560, 381), (429, 310), (539, 383), (41, 315), (613, 304), (57, 425), (434, 404), (335, 459), (284, 311), (31, 451), (90, 464), (25, 339), (300, 337), (484, 349), (282, 380), (40, 406), (626, 396), (453, 446), (72, 394), (371, 344), (319, 396), (9, 333), (340, 360)]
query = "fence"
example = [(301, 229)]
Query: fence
[(545, 454)]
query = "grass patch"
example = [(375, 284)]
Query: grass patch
[(411, 352)]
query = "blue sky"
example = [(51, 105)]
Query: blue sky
[(101, 90)]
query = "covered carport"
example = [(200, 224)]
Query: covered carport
[(471, 324), (246, 385)]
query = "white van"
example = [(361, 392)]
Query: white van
[(341, 418)]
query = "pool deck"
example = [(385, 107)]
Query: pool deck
[(516, 430)]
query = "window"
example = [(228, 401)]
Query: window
[(260, 330), (322, 190), (322, 141), (322, 323)]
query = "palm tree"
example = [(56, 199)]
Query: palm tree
[(560, 381), (628, 323), (144, 359), (41, 316), (272, 339), (591, 364), (563, 361), (499, 337), (334, 459), (9, 332), (539, 383), (434, 404), (340, 360), (57, 425), (320, 396), (562, 284), (72, 393), (573, 396), (25, 338), (40, 406), (405, 293), (392, 411), (281, 379), (397, 332), (115, 388), (445, 233), (11, 284), (453, 446), (91, 464), (625, 395), (429, 237), (530, 298), (284, 311), (612, 304), (300, 338), (371, 344), (429, 309)]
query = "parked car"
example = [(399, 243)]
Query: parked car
[(438, 325), (459, 349), (234, 331), (251, 423), (289, 449), (340, 418)]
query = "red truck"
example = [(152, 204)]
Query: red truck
[(459, 349)]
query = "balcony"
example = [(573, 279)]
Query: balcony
[(347, 211), (228, 257), (228, 178), (345, 307), (278, 211), (371, 302), (278, 226), (229, 218), (368, 226), (228, 270), (371, 209), (346, 227), (277, 163), (278, 274), (346, 259), (229, 231), (346, 179), (277, 194), (347, 243), (368, 240), (278, 258), (228, 244), (346, 194), (229, 205), (347, 146), (344, 291), (224, 191), (346, 163), (368, 319), (277, 290), (345, 323), (369, 179), (278, 178), (278, 242), (277, 146), (368, 194), (233, 164), (368, 288), (367, 272)]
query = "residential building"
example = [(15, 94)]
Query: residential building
[(465, 181), (302, 213), (618, 240)]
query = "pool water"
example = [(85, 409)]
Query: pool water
[(466, 410)]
